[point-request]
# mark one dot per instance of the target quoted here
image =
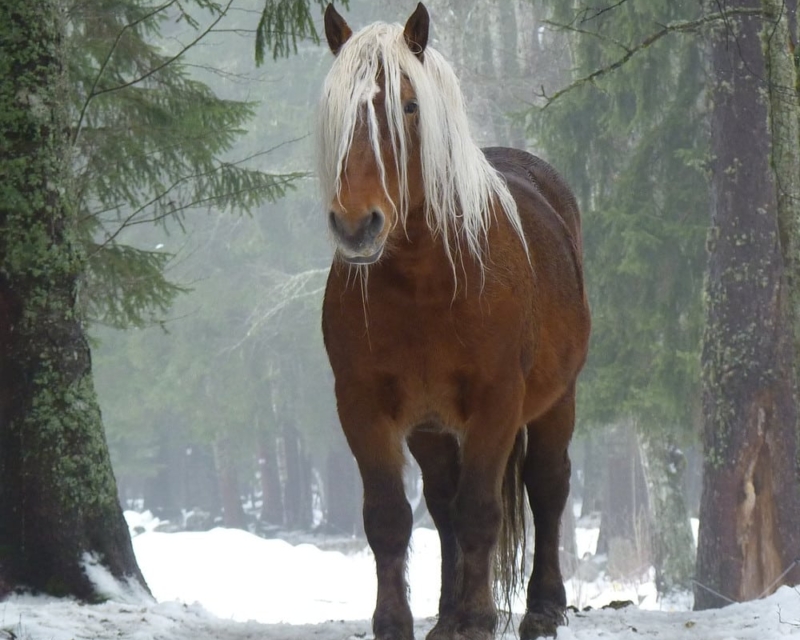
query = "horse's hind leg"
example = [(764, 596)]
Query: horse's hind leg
[(437, 455), (546, 475)]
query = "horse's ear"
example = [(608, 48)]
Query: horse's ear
[(416, 31), (336, 29)]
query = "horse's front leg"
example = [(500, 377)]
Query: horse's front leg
[(377, 447), (478, 509), (438, 457)]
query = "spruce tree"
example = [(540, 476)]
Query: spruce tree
[(103, 131), (631, 143), (58, 502)]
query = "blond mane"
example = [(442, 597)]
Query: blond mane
[(461, 187)]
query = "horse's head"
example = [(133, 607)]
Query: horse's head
[(370, 161)]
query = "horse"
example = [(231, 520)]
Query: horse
[(455, 321)]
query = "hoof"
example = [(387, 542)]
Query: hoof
[(444, 629), (402, 629), (542, 621), (474, 626), (394, 634), (473, 633)]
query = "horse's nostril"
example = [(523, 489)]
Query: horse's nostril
[(359, 232), (333, 222), (376, 220)]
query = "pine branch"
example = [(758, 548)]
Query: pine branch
[(169, 60), (675, 27), (279, 182), (103, 66), (93, 93), (187, 179)]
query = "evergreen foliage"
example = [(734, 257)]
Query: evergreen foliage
[(631, 135), (634, 146), (282, 23), (151, 144), (240, 354)]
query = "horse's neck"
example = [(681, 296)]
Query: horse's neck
[(419, 261)]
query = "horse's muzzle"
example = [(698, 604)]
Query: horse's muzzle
[(358, 241)]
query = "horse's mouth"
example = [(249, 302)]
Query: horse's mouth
[(359, 260)]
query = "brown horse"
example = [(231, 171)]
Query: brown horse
[(455, 320)]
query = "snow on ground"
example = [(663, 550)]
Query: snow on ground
[(231, 585)]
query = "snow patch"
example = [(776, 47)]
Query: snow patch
[(220, 584), (108, 587)]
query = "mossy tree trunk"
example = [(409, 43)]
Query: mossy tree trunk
[(58, 496), (750, 513)]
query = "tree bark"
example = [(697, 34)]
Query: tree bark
[(58, 497), (750, 513)]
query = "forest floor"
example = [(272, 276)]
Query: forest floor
[(231, 585)]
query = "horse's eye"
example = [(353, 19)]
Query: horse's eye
[(410, 107)]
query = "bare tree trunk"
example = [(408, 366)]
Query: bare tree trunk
[(225, 465), (595, 469), (343, 493), (297, 491), (271, 494), (671, 533), (750, 512), (623, 526)]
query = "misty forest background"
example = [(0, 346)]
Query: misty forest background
[(208, 253), (218, 403)]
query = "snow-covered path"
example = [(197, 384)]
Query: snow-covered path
[(231, 585), (772, 619)]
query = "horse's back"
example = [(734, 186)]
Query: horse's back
[(544, 179), (551, 223)]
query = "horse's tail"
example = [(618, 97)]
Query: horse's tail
[(511, 545)]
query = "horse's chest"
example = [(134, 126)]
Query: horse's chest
[(421, 362), (421, 346)]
